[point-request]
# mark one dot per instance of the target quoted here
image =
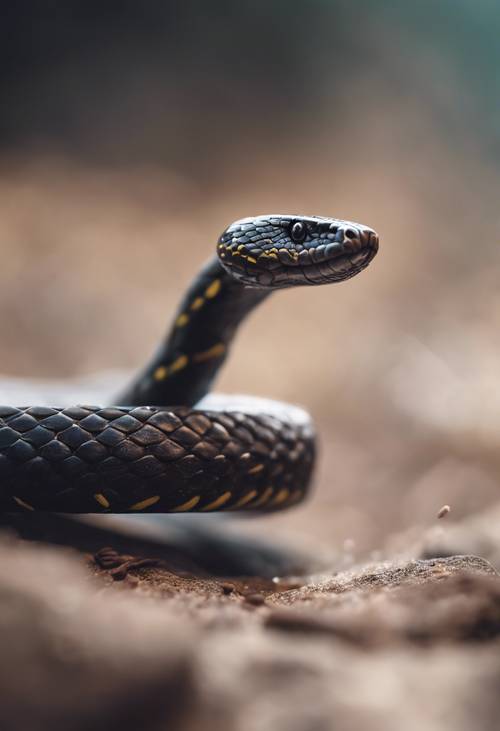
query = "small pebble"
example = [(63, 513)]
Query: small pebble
[(107, 551), (255, 599), (443, 512), (227, 588), (119, 573), (287, 583)]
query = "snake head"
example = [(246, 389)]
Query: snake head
[(278, 251)]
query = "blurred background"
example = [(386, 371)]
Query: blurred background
[(131, 134)]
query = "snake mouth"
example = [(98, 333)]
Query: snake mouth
[(352, 257), (323, 264)]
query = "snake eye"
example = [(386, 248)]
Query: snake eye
[(298, 232)]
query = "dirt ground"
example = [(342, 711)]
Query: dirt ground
[(90, 641), (360, 609)]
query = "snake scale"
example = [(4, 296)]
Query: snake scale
[(167, 448)]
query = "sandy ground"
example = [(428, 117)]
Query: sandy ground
[(395, 644)]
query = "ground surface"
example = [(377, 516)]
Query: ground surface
[(94, 640)]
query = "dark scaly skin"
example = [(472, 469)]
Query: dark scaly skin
[(195, 349), (162, 458)]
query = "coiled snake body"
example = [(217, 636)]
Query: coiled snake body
[(200, 455)]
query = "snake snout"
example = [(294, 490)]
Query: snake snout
[(353, 249), (370, 238), (356, 236), (355, 240)]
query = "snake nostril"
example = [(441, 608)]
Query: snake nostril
[(350, 233)]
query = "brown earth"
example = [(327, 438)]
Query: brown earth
[(389, 645)]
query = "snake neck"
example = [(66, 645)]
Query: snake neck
[(184, 367)]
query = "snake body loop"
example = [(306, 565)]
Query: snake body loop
[(199, 455)]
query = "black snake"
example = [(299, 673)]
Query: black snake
[(204, 454)]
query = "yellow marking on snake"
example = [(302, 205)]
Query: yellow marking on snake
[(163, 372), (197, 303), (251, 260), (218, 502), (268, 255), (255, 470), (188, 505), (182, 320), (213, 289), (214, 352), (143, 504), (178, 364), (160, 373), (282, 495), (244, 500), (101, 500), (22, 503), (263, 498), (291, 253)]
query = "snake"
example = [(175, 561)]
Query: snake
[(169, 446)]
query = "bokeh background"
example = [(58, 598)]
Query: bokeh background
[(132, 133)]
